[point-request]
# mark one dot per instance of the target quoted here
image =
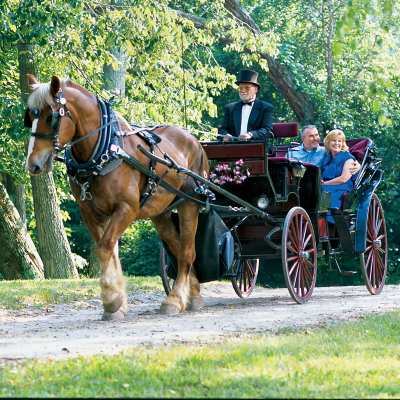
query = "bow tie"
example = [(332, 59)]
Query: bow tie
[(249, 103)]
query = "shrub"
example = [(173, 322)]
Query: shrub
[(139, 249)]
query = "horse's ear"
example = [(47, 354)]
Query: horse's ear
[(55, 85), (31, 80)]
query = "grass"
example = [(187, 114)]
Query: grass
[(349, 360), (42, 293)]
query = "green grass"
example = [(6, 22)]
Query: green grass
[(351, 360), (42, 293)]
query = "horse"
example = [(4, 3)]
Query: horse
[(64, 115)]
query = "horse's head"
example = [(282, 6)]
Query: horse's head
[(52, 123), (58, 112)]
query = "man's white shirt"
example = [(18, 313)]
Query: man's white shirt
[(246, 110)]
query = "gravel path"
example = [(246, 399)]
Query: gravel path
[(75, 329)]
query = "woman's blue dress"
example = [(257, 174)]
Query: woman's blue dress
[(331, 168)]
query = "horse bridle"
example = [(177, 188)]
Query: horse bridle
[(57, 114)]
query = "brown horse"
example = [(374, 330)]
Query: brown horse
[(63, 113)]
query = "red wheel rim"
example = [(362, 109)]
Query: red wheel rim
[(374, 258), (299, 255), (245, 277)]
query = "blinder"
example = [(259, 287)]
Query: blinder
[(55, 121)]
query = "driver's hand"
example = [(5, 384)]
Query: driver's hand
[(245, 136), (227, 138)]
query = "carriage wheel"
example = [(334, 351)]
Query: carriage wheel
[(299, 255), (374, 259), (165, 264), (245, 276)]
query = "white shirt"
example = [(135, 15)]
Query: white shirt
[(246, 110)]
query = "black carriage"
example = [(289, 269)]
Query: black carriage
[(278, 213)]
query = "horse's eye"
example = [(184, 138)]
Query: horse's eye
[(48, 120)]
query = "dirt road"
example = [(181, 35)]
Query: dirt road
[(75, 329)]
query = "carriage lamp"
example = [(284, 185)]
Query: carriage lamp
[(299, 170), (263, 202)]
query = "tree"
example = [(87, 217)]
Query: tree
[(21, 258)]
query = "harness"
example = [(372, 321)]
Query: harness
[(102, 161)]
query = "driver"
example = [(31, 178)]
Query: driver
[(248, 118)]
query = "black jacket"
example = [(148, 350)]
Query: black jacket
[(260, 120)]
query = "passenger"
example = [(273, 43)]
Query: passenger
[(310, 151), (336, 168), (248, 118)]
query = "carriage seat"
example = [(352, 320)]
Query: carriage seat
[(358, 147), (282, 130)]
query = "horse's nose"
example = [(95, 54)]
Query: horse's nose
[(34, 169)]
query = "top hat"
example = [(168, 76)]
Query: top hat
[(248, 76)]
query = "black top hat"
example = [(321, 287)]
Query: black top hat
[(248, 76)]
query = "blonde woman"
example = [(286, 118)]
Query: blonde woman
[(336, 168)]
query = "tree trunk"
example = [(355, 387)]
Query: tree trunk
[(21, 258), (52, 240), (16, 191), (94, 264), (114, 79)]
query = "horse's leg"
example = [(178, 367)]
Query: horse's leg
[(168, 233), (112, 282), (180, 296), (196, 301)]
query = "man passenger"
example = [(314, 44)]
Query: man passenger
[(310, 150)]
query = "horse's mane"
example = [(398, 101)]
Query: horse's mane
[(74, 85), (40, 97), (41, 94)]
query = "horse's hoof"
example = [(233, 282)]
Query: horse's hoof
[(115, 316), (114, 306), (169, 309), (196, 304)]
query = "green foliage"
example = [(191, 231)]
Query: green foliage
[(348, 360), (139, 250)]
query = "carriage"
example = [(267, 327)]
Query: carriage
[(119, 174), (278, 214)]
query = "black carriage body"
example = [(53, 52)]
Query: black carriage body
[(293, 229), (285, 183)]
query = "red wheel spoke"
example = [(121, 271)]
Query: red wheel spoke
[(374, 258), (293, 267), (307, 240), (379, 224)]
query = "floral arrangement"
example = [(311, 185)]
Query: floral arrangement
[(234, 172)]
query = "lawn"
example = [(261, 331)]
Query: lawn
[(348, 360), (42, 293)]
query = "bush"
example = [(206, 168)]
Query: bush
[(140, 249)]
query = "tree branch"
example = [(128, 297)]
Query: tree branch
[(278, 73)]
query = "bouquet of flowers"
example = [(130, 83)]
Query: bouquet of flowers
[(233, 172)]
